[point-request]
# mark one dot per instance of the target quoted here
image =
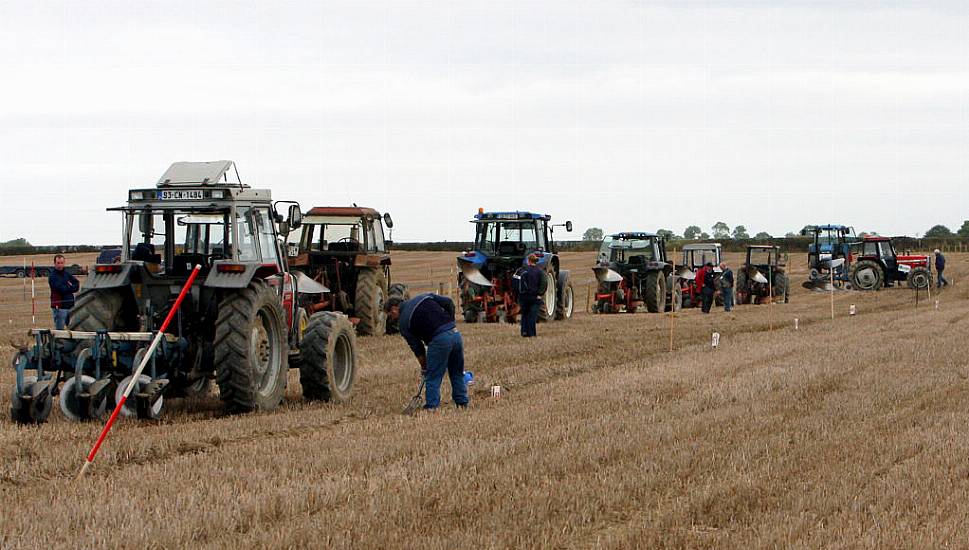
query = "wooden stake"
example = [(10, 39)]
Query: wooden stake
[(588, 298), (770, 292), (671, 329), (832, 293)]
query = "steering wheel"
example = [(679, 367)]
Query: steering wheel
[(349, 240)]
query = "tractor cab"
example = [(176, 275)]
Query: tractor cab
[(764, 257), (631, 250), (762, 277), (698, 255), (830, 250)]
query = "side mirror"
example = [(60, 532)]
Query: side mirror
[(145, 223), (295, 216), (568, 226), (388, 221)]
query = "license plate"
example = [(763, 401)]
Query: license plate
[(179, 195)]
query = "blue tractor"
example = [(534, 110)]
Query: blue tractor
[(829, 254), (503, 241)]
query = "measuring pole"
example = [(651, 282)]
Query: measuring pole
[(137, 373), (25, 278), (770, 291), (832, 293), (33, 295)]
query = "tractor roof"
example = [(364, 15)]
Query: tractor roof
[(197, 173), (516, 215), (343, 211), (832, 227), (631, 235), (763, 247), (701, 246)]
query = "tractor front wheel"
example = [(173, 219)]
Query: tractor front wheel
[(251, 355), (566, 301), (675, 299), (780, 286), (328, 354), (396, 290), (867, 275), (654, 291)]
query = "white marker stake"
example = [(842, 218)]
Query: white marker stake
[(138, 371), (496, 392), (851, 309), (936, 304), (795, 323), (715, 340)]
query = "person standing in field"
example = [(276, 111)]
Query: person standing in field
[(709, 288), (939, 268), (532, 285), (427, 324), (726, 286), (63, 285)]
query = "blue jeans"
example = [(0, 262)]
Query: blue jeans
[(61, 318), (529, 313), (727, 294), (445, 353), (941, 280)]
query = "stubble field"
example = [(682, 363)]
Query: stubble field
[(846, 433)]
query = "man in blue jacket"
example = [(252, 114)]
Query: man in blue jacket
[(428, 320), (532, 285), (939, 268), (63, 285)]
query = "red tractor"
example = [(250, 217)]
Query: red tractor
[(875, 264)]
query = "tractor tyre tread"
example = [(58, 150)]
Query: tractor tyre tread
[(368, 304), (862, 264), (316, 374), (233, 365), (654, 294)]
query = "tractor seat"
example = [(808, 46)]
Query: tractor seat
[(182, 264), (638, 259), (511, 249), (345, 246)]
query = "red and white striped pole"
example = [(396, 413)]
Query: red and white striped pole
[(33, 295), (141, 367)]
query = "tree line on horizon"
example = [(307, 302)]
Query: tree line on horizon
[(721, 231)]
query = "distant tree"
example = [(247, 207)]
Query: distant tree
[(592, 234), (721, 230), (765, 235), (964, 230), (790, 235), (938, 231), (740, 233), (704, 236), (666, 234), (806, 229), (692, 232)]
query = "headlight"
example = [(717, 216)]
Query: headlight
[(136, 195), (218, 194)]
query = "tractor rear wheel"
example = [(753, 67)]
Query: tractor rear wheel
[(396, 290), (654, 291), (566, 303), (546, 312), (867, 275), (919, 278), (368, 303), (741, 294), (96, 310), (675, 299), (251, 355), (328, 364), (780, 286)]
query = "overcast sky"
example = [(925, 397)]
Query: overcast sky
[(624, 115)]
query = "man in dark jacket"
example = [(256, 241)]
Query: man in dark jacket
[(709, 287), (63, 285), (726, 286), (532, 285), (428, 320), (939, 268)]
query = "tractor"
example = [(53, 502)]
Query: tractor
[(238, 325), (762, 277), (343, 249), (632, 271), (695, 256), (503, 241), (829, 255), (874, 264)]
